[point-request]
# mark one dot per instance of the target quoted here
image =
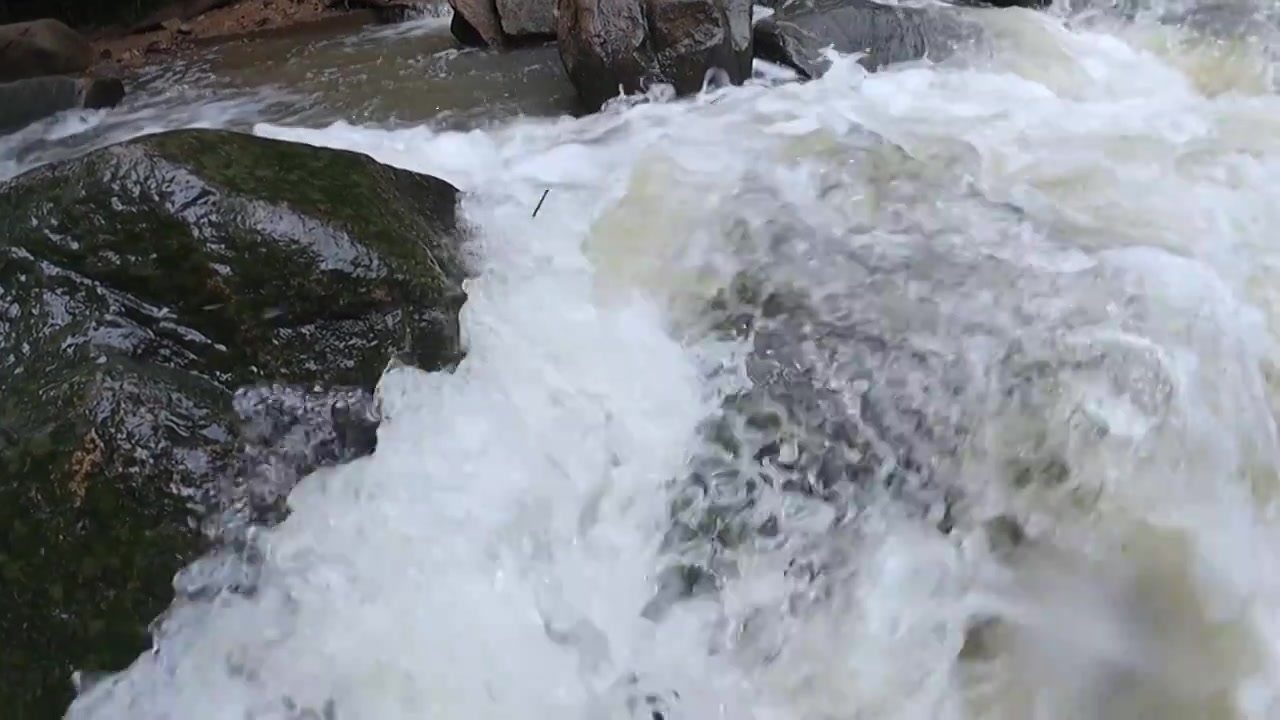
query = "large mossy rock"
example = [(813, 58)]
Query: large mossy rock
[(142, 284)]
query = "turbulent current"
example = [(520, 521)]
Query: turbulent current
[(943, 392)]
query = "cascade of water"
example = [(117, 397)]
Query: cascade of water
[(943, 392)]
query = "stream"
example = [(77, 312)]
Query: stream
[(1040, 282)]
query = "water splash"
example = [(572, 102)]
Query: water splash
[(957, 377)]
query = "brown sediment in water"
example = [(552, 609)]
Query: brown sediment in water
[(241, 21)]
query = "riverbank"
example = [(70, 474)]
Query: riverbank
[(244, 21)]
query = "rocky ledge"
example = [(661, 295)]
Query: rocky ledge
[(622, 47)]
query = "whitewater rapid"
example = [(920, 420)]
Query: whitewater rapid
[(1077, 231)]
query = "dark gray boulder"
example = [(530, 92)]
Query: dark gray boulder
[(140, 286), (798, 32), (613, 47), (42, 47)]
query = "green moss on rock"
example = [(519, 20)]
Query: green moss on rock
[(139, 286), (296, 263)]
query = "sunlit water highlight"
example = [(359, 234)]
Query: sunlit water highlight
[(1059, 256)]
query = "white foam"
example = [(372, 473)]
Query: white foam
[(527, 487)]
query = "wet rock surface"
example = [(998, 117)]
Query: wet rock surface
[(288, 431), (23, 102), (612, 47), (798, 32), (528, 18), (141, 285)]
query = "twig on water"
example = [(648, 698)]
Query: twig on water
[(540, 201)]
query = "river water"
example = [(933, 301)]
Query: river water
[(1033, 291)]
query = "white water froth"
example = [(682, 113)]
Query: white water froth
[(74, 132), (493, 558)]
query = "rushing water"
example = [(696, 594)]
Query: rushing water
[(959, 378)]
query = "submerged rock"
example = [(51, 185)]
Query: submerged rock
[(1222, 20), (42, 47), (139, 286), (797, 33), (613, 47), (902, 376), (24, 102), (869, 346), (844, 409)]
